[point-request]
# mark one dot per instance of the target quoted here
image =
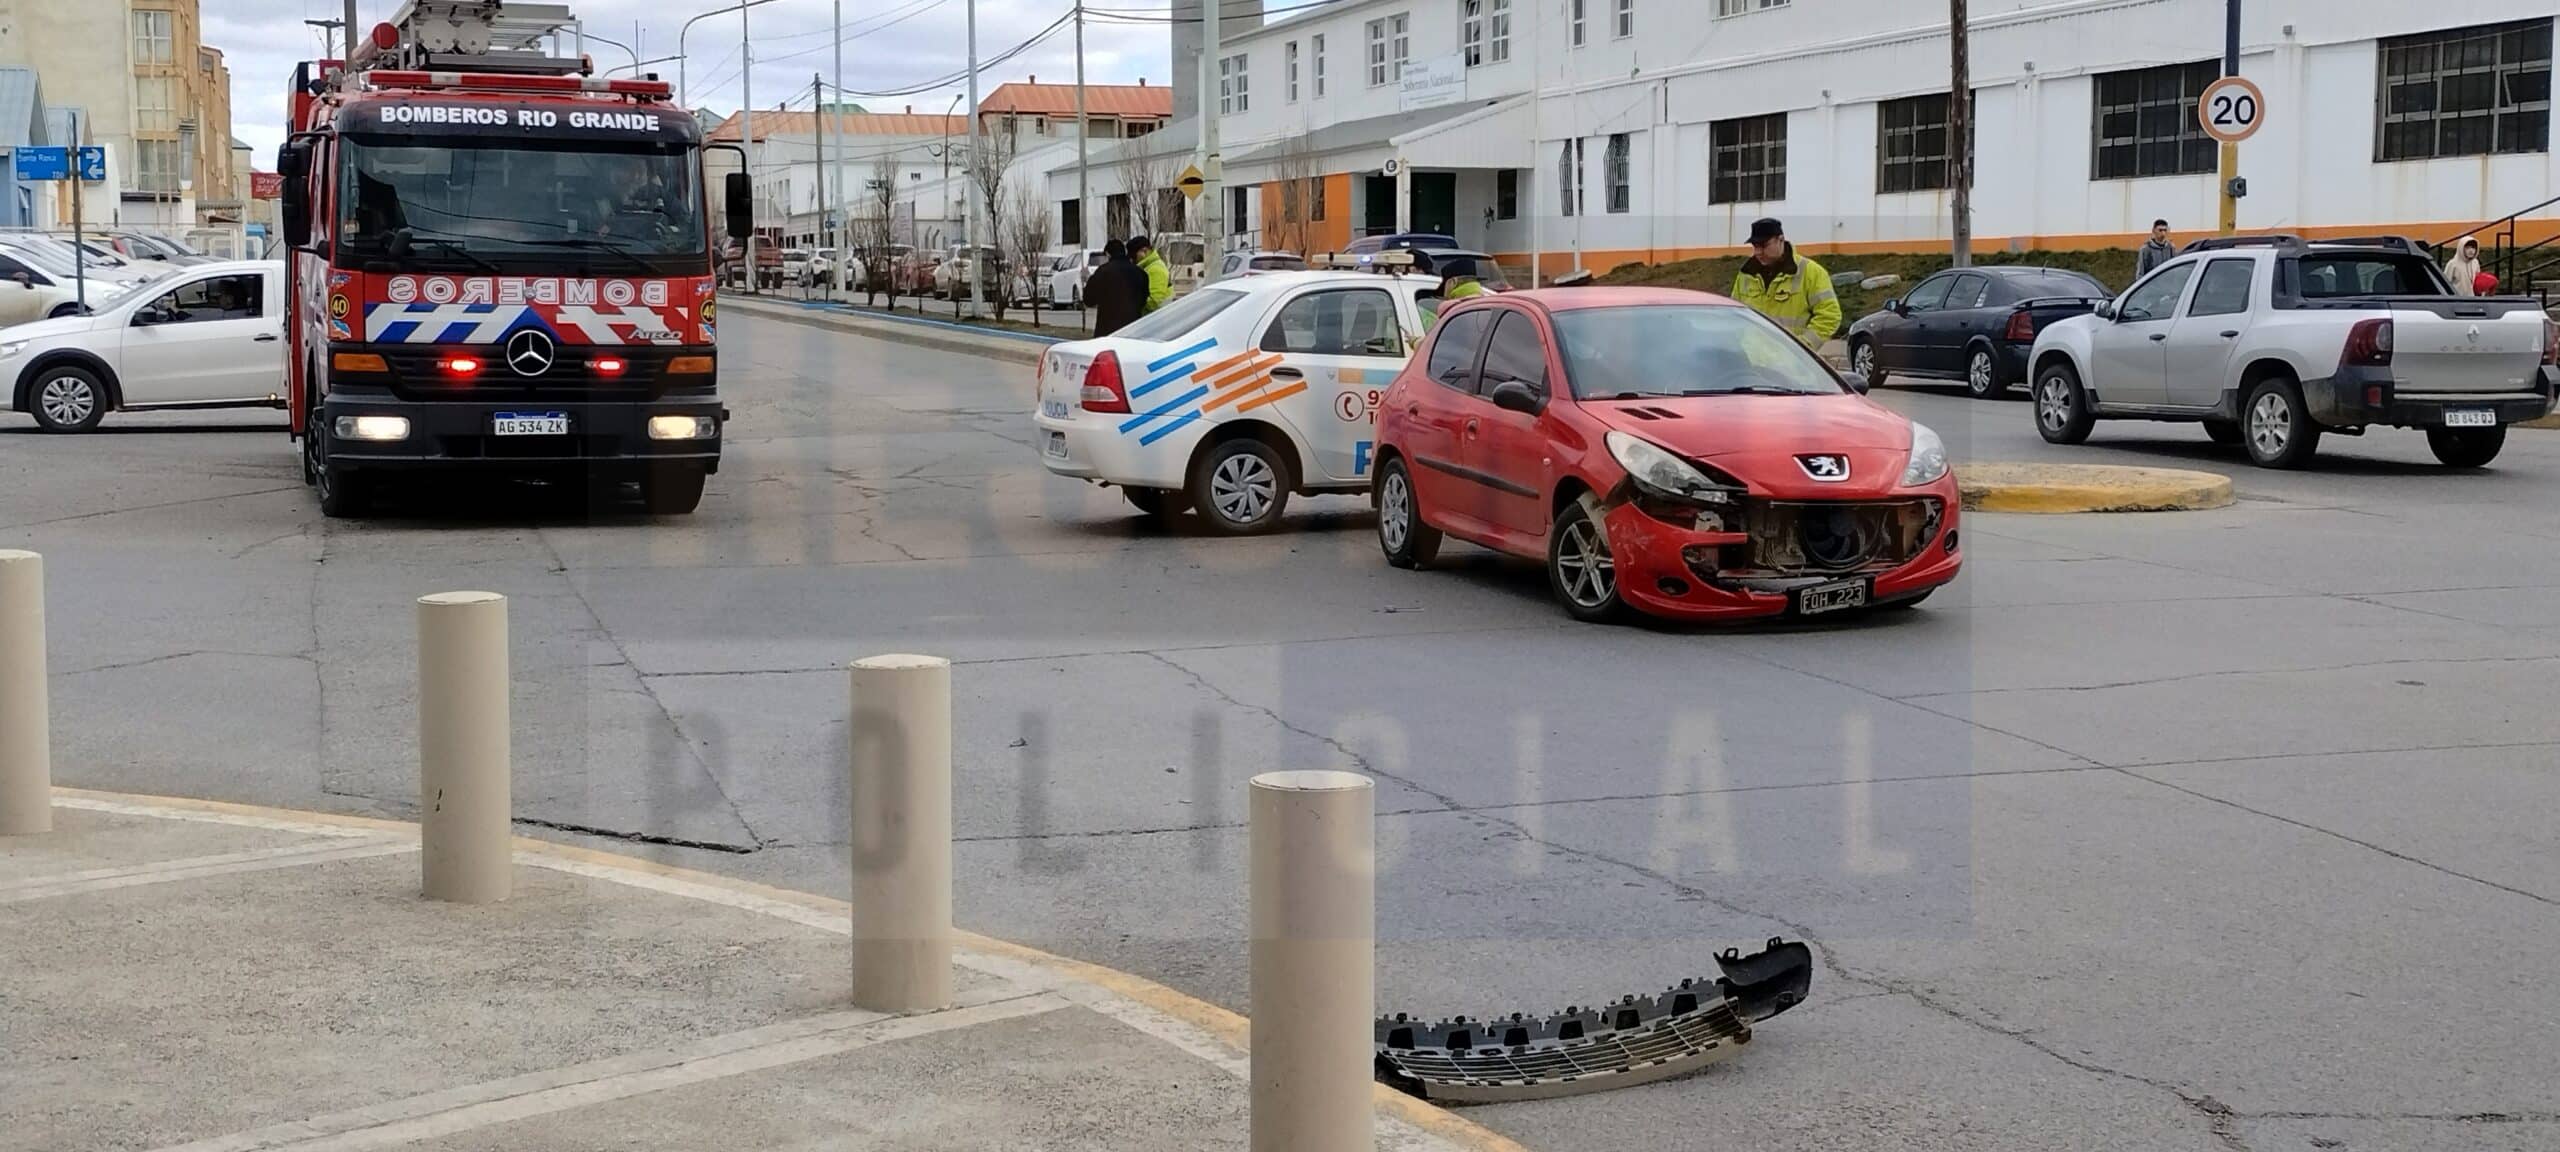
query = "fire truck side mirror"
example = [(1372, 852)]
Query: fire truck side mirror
[(293, 162), (741, 197)]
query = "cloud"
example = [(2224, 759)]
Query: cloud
[(897, 44)]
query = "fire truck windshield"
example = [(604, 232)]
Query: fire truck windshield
[(486, 206)]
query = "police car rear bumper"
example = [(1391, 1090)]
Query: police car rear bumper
[(1091, 446)]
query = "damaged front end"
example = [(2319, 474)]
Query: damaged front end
[(1635, 1040), (1790, 544)]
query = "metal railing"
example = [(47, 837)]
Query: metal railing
[(2502, 257)]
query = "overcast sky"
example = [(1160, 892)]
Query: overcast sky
[(898, 44)]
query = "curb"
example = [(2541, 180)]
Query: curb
[(922, 332), (1227, 1027), (2550, 421), (2053, 489)]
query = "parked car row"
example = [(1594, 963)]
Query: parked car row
[(1659, 451)]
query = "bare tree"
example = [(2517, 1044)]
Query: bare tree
[(880, 207), (1294, 173), (1026, 239), (989, 164), (1145, 174)]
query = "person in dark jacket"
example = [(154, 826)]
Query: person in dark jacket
[(2155, 251), (1117, 290)]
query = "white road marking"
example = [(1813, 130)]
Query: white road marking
[(196, 868), (534, 1094), (199, 816)]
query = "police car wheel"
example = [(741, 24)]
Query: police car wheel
[(1240, 487)]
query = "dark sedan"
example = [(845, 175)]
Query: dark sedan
[(1972, 324)]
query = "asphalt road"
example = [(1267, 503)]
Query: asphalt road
[(2190, 831)]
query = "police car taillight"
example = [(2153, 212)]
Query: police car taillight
[(1102, 389)]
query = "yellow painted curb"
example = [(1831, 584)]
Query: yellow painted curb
[(2550, 421), (1228, 1027), (2046, 489)]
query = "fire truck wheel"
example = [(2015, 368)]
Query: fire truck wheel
[(343, 494), (672, 491)]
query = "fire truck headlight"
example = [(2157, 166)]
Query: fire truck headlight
[(377, 428), (682, 427)]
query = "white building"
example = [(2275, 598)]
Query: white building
[(1600, 132)]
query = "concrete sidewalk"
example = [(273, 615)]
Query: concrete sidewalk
[(189, 975), (922, 331)]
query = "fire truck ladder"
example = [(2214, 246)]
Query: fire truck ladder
[(482, 36)]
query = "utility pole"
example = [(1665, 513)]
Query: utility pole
[(350, 31), (1084, 226), (826, 206), (1213, 214), (839, 208), (2231, 152), (1960, 132), (747, 128), (975, 260)]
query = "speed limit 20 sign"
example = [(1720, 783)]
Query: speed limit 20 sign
[(2231, 109)]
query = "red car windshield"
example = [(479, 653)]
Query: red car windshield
[(1642, 351)]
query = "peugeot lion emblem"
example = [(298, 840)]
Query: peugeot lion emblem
[(529, 353), (1827, 469)]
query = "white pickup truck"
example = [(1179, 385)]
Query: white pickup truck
[(2272, 341)]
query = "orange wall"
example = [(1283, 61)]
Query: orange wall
[(1331, 234), (1601, 262)]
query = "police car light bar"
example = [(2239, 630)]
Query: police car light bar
[(1393, 261)]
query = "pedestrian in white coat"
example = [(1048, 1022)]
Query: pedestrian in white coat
[(2464, 269)]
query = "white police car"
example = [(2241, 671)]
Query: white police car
[(1236, 396)]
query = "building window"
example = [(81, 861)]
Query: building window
[(1912, 153), (1039, 125), (1290, 72), (1506, 194), (155, 107), (1377, 53), (2145, 123), (1626, 24), (1501, 47), (1400, 47), (155, 165), (153, 42), (1390, 45), (1617, 161), (1569, 178), (1471, 30), (1232, 96), (1485, 30), (2465, 92), (1577, 22), (1319, 66), (1238, 199), (1739, 7), (1315, 198), (1750, 160)]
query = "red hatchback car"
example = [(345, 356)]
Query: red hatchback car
[(1667, 451)]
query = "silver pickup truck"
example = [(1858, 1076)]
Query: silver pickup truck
[(2272, 341)]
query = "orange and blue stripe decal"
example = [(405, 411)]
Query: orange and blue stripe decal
[(1241, 381)]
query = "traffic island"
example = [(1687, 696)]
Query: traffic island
[(2051, 489)]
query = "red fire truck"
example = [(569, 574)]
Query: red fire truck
[(498, 261)]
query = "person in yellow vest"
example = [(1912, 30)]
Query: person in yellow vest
[(1159, 277), (1458, 278), (1788, 288)]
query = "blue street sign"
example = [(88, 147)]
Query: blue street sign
[(93, 162), (44, 163)]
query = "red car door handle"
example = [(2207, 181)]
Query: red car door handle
[(1471, 429)]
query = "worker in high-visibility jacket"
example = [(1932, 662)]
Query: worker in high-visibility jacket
[(1159, 277), (1788, 288)]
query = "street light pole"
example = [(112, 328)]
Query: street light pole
[(1213, 215), (977, 186), (1083, 130), (747, 125), (684, 95), (839, 207)]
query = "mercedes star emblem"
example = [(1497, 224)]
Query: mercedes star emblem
[(1828, 469), (529, 353)]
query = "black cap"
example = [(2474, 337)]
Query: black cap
[(1766, 229)]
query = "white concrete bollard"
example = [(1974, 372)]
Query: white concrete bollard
[(26, 726), (465, 771), (901, 833), (1314, 957)]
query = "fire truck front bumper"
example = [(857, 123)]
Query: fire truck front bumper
[(389, 432)]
